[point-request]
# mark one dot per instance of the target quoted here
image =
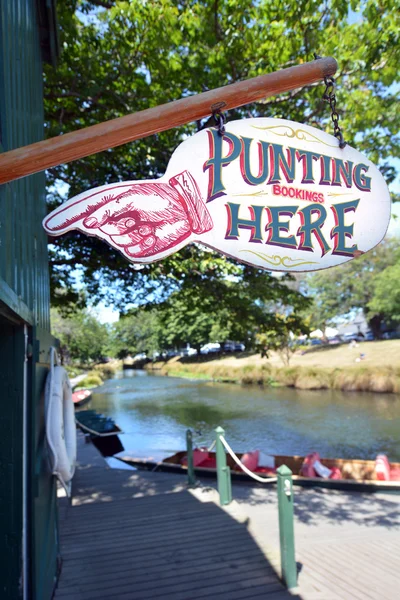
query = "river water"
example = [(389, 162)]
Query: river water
[(155, 411)]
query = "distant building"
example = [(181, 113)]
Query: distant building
[(357, 325)]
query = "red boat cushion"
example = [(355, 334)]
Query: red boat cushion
[(307, 468), (335, 473), (249, 460), (200, 455), (394, 474), (382, 467)]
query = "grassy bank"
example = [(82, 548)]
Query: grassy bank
[(99, 373), (324, 368)]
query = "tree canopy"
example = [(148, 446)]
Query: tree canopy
[(82, 336), (368, 283), (123, 56)]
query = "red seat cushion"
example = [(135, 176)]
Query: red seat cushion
[(307, 468), (249, 460)]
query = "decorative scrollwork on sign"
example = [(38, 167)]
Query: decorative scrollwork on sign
[(281, 261), (259, 193), (300, 134), (334, 195)]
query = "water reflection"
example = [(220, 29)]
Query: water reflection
[(155, 412)]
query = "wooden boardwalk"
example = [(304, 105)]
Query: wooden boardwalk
[(139, 535)]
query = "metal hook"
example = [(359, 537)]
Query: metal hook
[(219, 116)]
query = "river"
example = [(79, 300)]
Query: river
[(155, 411)]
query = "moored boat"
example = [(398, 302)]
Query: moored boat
[(81, 397), (103, 431), (355, 474)]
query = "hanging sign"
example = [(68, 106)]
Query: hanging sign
[(271, 193)]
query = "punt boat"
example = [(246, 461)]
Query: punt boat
[(103, 431), (81, 397), (355, 474)]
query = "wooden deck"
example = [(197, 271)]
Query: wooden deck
[(139, 535), (347, 544)]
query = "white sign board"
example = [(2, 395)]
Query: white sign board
[(271, 193)]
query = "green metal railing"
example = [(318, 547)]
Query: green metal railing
[(286, 526), (189, 453), (285, 499), (285, 505), (223, 471)]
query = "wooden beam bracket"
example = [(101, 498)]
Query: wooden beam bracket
[(90, 140)]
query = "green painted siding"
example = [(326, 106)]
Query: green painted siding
[(25, 38), (11, 381), (23, 250)]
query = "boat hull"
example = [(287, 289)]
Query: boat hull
[(172, 465), (81, 398)]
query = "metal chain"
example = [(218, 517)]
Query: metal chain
[(330, 97), (219, 117)]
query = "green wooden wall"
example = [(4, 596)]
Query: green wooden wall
[(25, 38), (23, 251)]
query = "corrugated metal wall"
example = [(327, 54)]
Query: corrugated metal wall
[(24, 298), (23, 249)]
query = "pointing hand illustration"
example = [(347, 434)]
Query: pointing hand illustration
[(139, 219)]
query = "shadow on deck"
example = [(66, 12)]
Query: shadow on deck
[(137, 536)]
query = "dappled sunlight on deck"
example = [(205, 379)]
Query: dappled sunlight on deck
[(143, 535)]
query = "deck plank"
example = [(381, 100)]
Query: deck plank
[(135, 535), (138, 535)]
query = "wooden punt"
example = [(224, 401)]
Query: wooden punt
[(103, 431), (81, 397), (357, 474)]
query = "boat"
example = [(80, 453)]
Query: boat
[(81, 397), (102, 430), (356, 474)]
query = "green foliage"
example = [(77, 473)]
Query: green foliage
[(281, 337), (120, 57), (386, 298), (91, 380), (216, 310), (82, 337), (368, 282), (135, 333)]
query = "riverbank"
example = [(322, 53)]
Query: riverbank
[(324, 368), (90, 378)]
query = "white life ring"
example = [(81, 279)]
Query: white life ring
[(60, 425)]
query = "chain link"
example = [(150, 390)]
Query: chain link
[(330, 97), (220, 120), (219, 117)]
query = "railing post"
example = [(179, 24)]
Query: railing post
[(223, 471), (286, 529), (189, 454)]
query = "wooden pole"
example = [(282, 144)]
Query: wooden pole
[(90, 140)]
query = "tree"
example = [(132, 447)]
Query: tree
[(281, 337), (386, 298), (120, 57), (135, 333), (236, 308), (83, 338), (356, 284)]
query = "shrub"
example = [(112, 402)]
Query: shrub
[(91, 380)]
